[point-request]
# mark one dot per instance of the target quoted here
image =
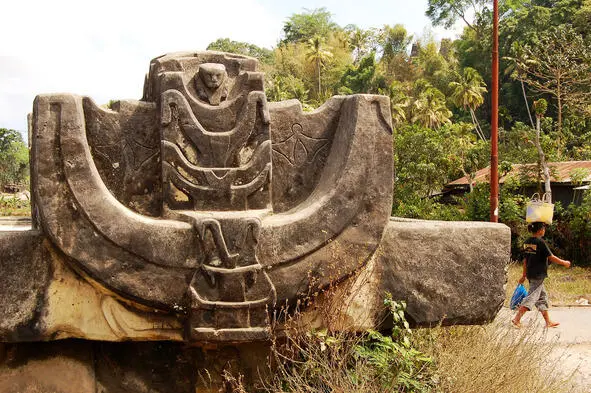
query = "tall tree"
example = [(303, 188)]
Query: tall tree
[(428, 108), (467, 93), (472, 12), (361, 42), (399, 103), (540, 107), (14, 158), (244, 48), (447, 12), (517, 73), (392, 43), (560, 66), (433, 66), (582, 18), (394, 40), (364, 78), (318, 55), (309, 24)]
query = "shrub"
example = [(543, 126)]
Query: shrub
[(570, 235), (324, 361), (12, 206)]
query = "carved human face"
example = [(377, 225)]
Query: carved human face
[(213, 75)]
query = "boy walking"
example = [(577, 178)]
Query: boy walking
[(535, 269)]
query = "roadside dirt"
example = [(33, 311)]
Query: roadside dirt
[(570, 342)]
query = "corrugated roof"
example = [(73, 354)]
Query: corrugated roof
[(560, 172)]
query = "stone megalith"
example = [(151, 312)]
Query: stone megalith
[(195, 213)]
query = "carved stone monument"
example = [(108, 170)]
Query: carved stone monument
[(195, 213)]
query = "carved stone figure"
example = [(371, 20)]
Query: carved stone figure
[(211, 84), (197, 212)]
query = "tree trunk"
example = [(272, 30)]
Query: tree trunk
[(319, 85), (476, 124), (542, 162), (470, 179), (559, 99), (526, 103)]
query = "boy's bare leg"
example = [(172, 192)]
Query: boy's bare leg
[(517, 320), (549, 322)]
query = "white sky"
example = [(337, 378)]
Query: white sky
[(102, 49)]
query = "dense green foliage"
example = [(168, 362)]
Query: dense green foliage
[(242, 48), (441, 102), (14, 158)]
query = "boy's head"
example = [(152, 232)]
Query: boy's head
[(536, 228)]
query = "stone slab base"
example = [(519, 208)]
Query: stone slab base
[(449, 273), (78, 366)]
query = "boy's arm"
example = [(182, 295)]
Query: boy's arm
[(522, 279), (558, 261)]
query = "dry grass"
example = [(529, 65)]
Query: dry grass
[(342, 359), (564, 286), (469, 359), (496, 359), (307, 364)]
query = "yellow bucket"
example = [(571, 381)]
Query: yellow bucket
[(539, 210)]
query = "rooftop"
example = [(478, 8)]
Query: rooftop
[(560, 172)]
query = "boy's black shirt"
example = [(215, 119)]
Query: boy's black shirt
[(536, 252)]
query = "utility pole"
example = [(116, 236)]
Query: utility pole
[(494, 134)]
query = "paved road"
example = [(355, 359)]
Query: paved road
[(15, 223), (571, 341), (9, 228)]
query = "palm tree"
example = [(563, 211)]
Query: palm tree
[(318, 55), (398, 112), (467, 93), (342, 39), (399, 103), (429, 108), (358, 42)]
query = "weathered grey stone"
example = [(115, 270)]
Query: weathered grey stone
[(125, 145), (75, 366), (346, 212), (447, 272), (42, 298), (248, 222), (301, 144), (24, 277)]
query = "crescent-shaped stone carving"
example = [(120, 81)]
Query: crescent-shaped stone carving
[(105, 240), (151, 261), (339, 226)]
